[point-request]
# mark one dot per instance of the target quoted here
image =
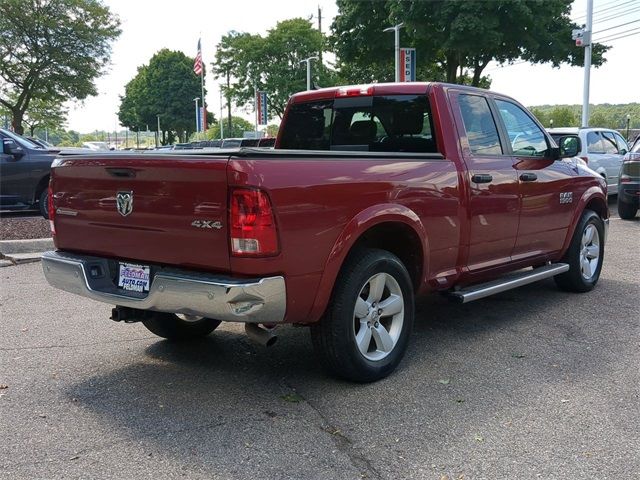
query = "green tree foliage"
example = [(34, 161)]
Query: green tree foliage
[(602, 115), (165, 87), (52, 50), (455, 40), (238, 126), (270, 63)]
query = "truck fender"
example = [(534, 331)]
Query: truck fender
[(593, 196), (351, 233)]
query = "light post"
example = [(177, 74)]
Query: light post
[(158, 132), (396, 30), (197, 115), (628, 121), (551, 123), (308, 62)]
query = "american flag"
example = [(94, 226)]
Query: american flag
[(197, 65)]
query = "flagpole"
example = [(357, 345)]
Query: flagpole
[(255, 99)]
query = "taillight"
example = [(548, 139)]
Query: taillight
[(252, 224), (585, 159), (51, 209), (354, 92)]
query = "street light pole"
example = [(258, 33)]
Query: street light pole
[(197, 115), (158, 132), (587, 65), (628, 121), (396, 30), (308, 62), (221, 110)]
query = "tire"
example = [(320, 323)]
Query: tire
[(584, 255), (172, 327), (43, 203), (627, 211), (354, 340)]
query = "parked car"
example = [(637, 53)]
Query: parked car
[(371, 195), (267, 142), (239, 142), (42, 143), (601, 148), (24, 173), (629, 183)]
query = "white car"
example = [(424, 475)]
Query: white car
[(601, 148)]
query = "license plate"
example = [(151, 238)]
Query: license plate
[(135, 278)]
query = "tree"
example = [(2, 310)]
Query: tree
[(270, 63), (238, 126), (52, 50), (166, 87), (44, 114), (563, 117)]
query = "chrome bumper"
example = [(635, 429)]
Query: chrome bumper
[(175, 291)]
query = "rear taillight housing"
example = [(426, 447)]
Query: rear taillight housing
[(253, 231), (585, 159), (51, 210)]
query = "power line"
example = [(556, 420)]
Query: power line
[(608, 10), (619, 14), (617, 26), (617, 33), (623, 36)]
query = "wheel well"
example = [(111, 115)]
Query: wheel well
[(42, 184), (399, 239), (598, 206)]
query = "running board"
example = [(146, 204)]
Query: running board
[(515, 280)]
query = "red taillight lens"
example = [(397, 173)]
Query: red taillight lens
[(51, 209), (586, 159), (253, 227)]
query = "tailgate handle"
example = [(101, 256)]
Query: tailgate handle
[(121, 172)]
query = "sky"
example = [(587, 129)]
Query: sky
[(150, 25)]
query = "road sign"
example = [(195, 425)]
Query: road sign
[(261, 103), (407, 64)]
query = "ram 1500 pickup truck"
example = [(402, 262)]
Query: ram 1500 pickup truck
[(372, 195)]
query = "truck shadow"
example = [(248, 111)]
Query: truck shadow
[(478, 360)]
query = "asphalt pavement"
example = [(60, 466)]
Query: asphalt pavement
[(532, 383)]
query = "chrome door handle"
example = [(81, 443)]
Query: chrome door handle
[(528, 177), (481, 178)]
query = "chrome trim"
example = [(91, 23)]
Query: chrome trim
[(229, 299), (606, 229), (476, 292)]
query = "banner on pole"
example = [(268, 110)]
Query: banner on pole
[(202, 116), (407, 64), (261, 106)]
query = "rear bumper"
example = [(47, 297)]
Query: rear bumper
[(629, 192), (261, 300)]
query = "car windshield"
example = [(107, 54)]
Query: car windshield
[(636, 147), (23, 142)]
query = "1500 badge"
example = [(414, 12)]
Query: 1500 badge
[(566, 197), (207, 224)]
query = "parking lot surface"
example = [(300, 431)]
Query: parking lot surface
[(531, 383)]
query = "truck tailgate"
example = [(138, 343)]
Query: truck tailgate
[(177, 214)]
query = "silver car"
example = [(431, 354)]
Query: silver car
[(601, 148)]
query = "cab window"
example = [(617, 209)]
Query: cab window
[(526, 137), (594, 143), (482, 133)]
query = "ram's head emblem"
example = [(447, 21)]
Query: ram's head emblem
[(124, 203)]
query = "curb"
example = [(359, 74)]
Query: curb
[(19, 258), (33, 245)]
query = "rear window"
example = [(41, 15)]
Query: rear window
[(393, 123)]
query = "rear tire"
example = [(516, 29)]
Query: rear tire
[(365, 331), (627, 211), (172, 327), (43, 203), (584, 255)]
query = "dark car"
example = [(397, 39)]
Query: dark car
[(629, 183), (24, 173)]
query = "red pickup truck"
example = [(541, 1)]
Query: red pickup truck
[(373, 194)]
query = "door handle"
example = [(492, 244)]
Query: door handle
[(481, 178), (528, 177)]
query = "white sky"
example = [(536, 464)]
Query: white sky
[(148, 26)]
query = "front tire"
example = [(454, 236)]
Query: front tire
[(43, 203), (179, 328), (584, 255), (627, 211), (365, 331)]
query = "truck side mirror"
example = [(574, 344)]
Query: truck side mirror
[(569, 146), (10, 147)]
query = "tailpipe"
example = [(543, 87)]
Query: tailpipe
[(263, 336)]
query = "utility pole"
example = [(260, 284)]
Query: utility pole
[(308, 62), (320, 30), (197, 115), (587, 64), (396, 30), (229, 102), (158, 136), (221, 111), (628, 121)]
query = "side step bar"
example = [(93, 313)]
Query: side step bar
[(515, 280)]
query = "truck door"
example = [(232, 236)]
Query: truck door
[(14, 178), (494, 204), (546, 186)]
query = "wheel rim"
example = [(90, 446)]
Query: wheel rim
[(189, 318), (589, 252), (378, 317)]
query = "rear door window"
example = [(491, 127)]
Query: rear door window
[(482, 133), (609, 142), (594, 143)]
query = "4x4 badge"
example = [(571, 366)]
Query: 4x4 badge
[(124, 203)]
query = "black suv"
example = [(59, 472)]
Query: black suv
[(24, 173)]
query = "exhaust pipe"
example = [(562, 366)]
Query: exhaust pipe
[(263, 336)]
